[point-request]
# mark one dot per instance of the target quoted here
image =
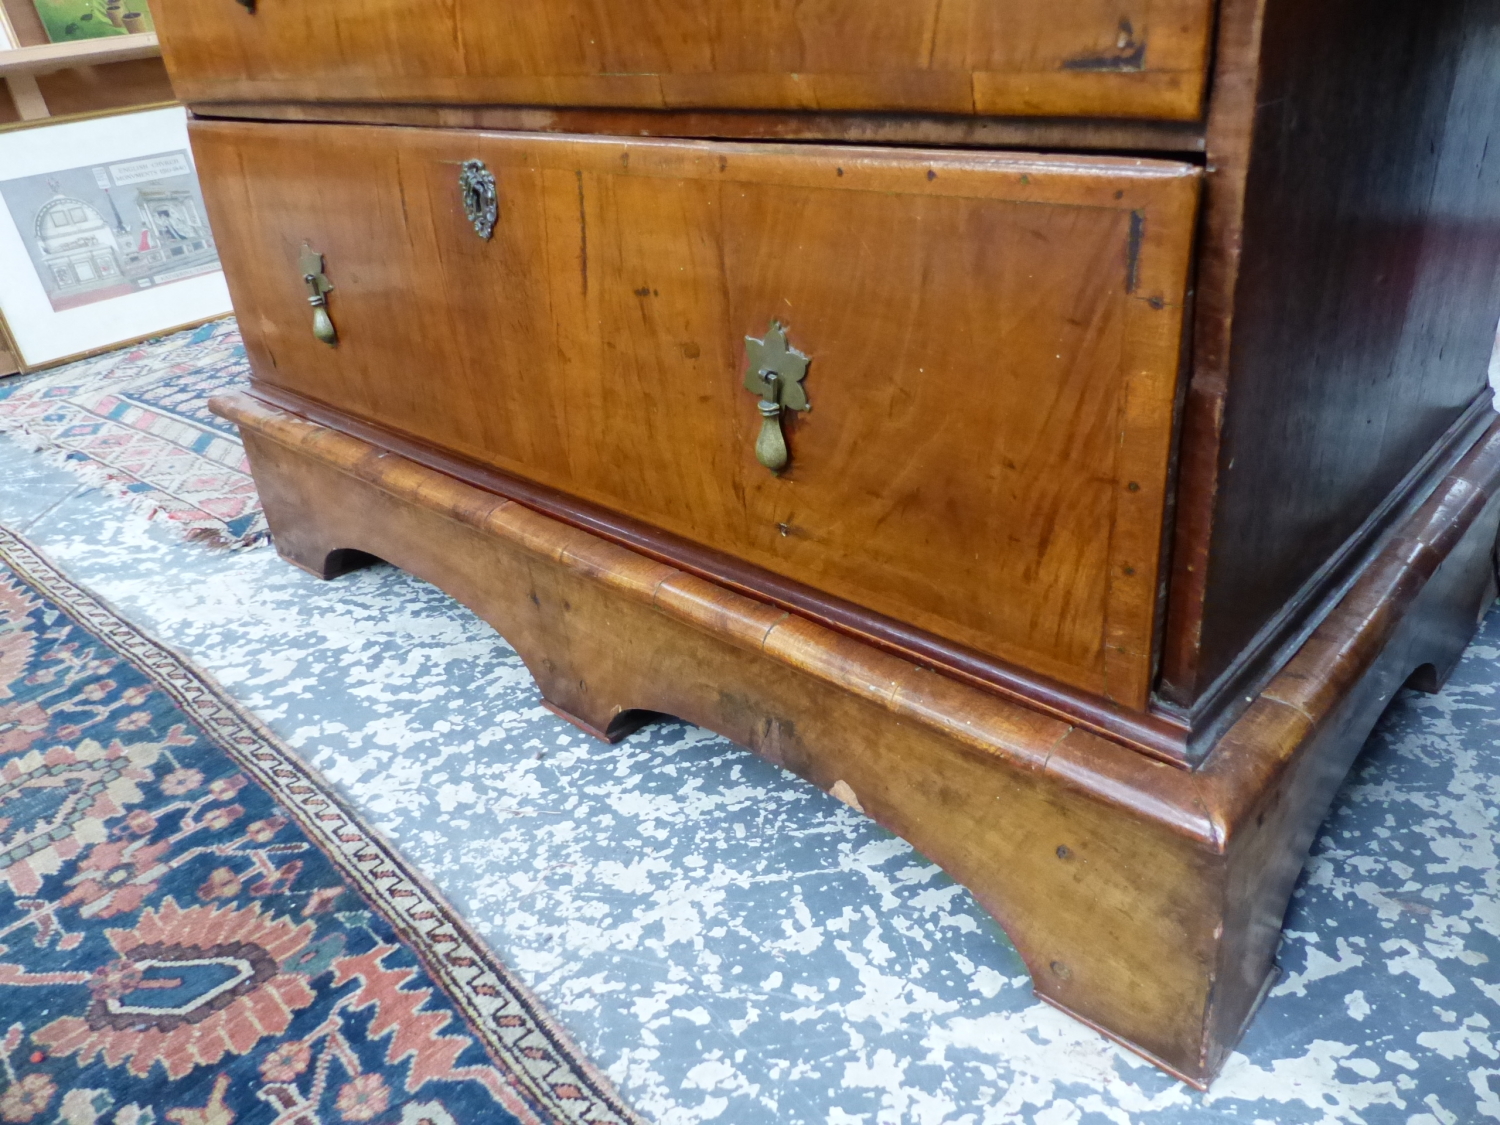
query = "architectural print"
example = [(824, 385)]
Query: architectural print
[(108, 230)]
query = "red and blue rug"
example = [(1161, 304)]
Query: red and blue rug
[(195, 929), (135, 422)]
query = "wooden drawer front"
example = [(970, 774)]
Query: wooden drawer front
[(1107, 58), (994, 343)]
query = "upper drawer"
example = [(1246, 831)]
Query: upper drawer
[(1068, 58), (993, 345)]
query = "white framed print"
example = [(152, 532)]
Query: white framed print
[(104, 238)]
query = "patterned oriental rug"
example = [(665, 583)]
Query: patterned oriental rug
[(195, 929), (135, 423)]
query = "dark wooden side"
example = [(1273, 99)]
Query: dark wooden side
[(1348, 296)]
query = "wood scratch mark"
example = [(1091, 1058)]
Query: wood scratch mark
[(583, 234), (937, 20)]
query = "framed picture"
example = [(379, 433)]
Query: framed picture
[(68, 20), (104, 238)]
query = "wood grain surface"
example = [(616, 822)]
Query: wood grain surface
[(994, 339), (1349, 284), (1137, 58), (1153, 732), (1146, 900)]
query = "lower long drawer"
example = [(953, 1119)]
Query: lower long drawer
[(992, 350)]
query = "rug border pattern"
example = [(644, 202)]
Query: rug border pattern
[(471, 976), (151, 498)]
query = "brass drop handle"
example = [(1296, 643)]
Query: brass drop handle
[(318, 288), (775, 373), (770, 445)]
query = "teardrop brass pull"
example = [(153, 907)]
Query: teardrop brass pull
[(770, 445), (318, 288), (775, 372)]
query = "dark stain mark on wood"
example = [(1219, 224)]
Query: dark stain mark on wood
[(1129, 55), (1133, 249)]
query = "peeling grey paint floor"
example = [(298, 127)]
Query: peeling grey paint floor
[(733, 945)]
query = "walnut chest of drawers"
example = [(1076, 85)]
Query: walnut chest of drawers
[(1056, 427)]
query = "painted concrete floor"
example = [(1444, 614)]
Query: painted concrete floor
[(733, 945)]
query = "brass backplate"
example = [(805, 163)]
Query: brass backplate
[(774, 355)]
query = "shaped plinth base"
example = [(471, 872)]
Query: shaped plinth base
[(1145, 899)]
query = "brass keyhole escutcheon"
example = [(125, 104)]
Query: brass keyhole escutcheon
[(318, 288), (775, 372)]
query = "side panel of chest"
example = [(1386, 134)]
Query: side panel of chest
[(993, 346), (1060, 58)]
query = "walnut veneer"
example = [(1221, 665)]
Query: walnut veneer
[(1150, 446)]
